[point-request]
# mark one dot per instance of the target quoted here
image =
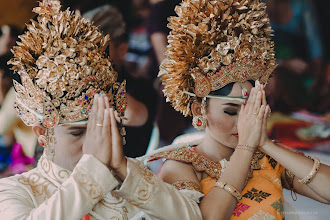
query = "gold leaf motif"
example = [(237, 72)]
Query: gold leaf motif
[(202, 84)]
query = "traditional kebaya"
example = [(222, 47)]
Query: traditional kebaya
[(62, 65), (217, 51)]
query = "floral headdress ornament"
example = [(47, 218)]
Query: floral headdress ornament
[(213, 43), (62, 64)]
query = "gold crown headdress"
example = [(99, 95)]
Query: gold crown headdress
[(213, 43), (62, 64)]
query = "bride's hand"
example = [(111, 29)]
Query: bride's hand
[(264, 136), (250, 119)]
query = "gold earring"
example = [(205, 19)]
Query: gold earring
[(199, 122), (42, 140)]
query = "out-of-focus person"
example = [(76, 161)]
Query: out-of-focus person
[(16, 139), (300, 76), (8, 37), (166, 117), (142, 97)]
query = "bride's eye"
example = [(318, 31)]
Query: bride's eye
[(231, 112)]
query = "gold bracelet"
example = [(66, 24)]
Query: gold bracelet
[(245, 148), (230, 189), (245, 145), (307, 179)]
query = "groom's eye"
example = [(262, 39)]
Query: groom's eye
[(76, 133)]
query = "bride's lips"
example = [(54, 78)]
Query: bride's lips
[(236, 135)]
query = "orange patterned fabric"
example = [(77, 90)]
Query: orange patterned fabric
[(263, 193), (262, 196)]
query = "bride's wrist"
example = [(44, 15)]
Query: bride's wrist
[(246, 147), (263, 146)]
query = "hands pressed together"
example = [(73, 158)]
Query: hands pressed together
[(103, 139), (252, 119)]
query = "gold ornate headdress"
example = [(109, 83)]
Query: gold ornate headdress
[(62, 64), (213, 43)]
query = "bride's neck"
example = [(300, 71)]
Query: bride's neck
[(214, 150)]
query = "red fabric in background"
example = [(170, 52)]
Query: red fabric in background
[(285, 133)]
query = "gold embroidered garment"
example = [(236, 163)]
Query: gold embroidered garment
[(51, 192), (262, 194)]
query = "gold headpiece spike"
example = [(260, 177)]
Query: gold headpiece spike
[(264, 79), (202, 84), (105, 42), (121, 99), (51, 115)]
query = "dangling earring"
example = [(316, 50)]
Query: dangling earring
[(42, 140), (48, 143), (199, 122)]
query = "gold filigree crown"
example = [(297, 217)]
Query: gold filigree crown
[(213, 43), (62, 64)]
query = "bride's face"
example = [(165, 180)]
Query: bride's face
[(222, 116)]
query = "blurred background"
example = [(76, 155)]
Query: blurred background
[(298, 92)]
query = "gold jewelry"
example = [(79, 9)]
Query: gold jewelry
[(185, 184), (100, 125), (205, 52), (289, 176), (59, 79), (230, 189), (307, 179), (200, 121), (42, 140), (245, 148), (245, 145)]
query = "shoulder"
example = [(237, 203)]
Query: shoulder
[(183, 177), (173, 171)]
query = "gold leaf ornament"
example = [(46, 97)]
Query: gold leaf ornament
[(202, 84)]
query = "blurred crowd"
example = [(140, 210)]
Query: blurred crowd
[(138, 32)]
